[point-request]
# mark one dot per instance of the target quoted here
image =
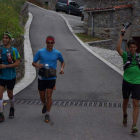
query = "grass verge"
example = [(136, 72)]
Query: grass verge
[(10, 17), (86, 38)]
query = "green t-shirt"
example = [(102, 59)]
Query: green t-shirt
[(131, 74)]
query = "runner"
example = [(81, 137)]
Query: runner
[(9, 57), (131, 80), (48, 57)]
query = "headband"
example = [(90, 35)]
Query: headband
[(8, 33), (50, 39)]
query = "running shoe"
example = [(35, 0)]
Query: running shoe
[(134, 129), (125, 120), (1, 117), (47, 118), (11, 113), (44, 109)]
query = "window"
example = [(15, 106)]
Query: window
[(72, 3), (62, 1)]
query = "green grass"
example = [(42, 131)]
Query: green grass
[(10, 17), (86, 38)]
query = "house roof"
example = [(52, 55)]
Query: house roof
[(108, 8)]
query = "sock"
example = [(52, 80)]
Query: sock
[(12, 102), (1, 105), (47, 113)]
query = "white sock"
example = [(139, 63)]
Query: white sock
[(12, 101), (1, 105), (47, 113)]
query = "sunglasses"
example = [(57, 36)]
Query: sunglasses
[(50, 42)]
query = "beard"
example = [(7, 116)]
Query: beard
[(6, 44)]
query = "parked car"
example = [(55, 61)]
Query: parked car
[(68, 6)]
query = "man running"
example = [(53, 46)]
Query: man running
[(48, 57), (131, 80), (10, 59)]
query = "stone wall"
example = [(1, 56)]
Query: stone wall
[(18, 43), (80, 2), (107, 24), (105, 3), (42, 1), (135, 31), (51, 5)]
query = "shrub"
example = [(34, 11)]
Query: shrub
[(9, 17)]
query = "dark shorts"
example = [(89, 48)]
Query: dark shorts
[(130, 89), (44, 84), (10, 84)]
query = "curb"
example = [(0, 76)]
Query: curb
[(95, 54), (85, 45), (30, 71)]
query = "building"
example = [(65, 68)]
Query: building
[(104, 19)]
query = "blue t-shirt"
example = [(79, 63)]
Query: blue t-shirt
[(48, 57), (9, 73)]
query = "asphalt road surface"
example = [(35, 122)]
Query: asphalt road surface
[(86, 79)]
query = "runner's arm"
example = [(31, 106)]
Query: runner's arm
[(37, 65), (62, 68), (15, 64), (119, 50)]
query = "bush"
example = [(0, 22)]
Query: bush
[(10, 17)]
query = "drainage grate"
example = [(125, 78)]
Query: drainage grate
[(73, 103), (71, 50)]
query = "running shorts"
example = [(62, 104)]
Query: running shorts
[(130, 89)]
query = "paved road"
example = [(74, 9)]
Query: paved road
[(75, 22), (86, 79)]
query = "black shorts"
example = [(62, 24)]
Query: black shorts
[(130, 89), (44, 84), (10, 84)]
